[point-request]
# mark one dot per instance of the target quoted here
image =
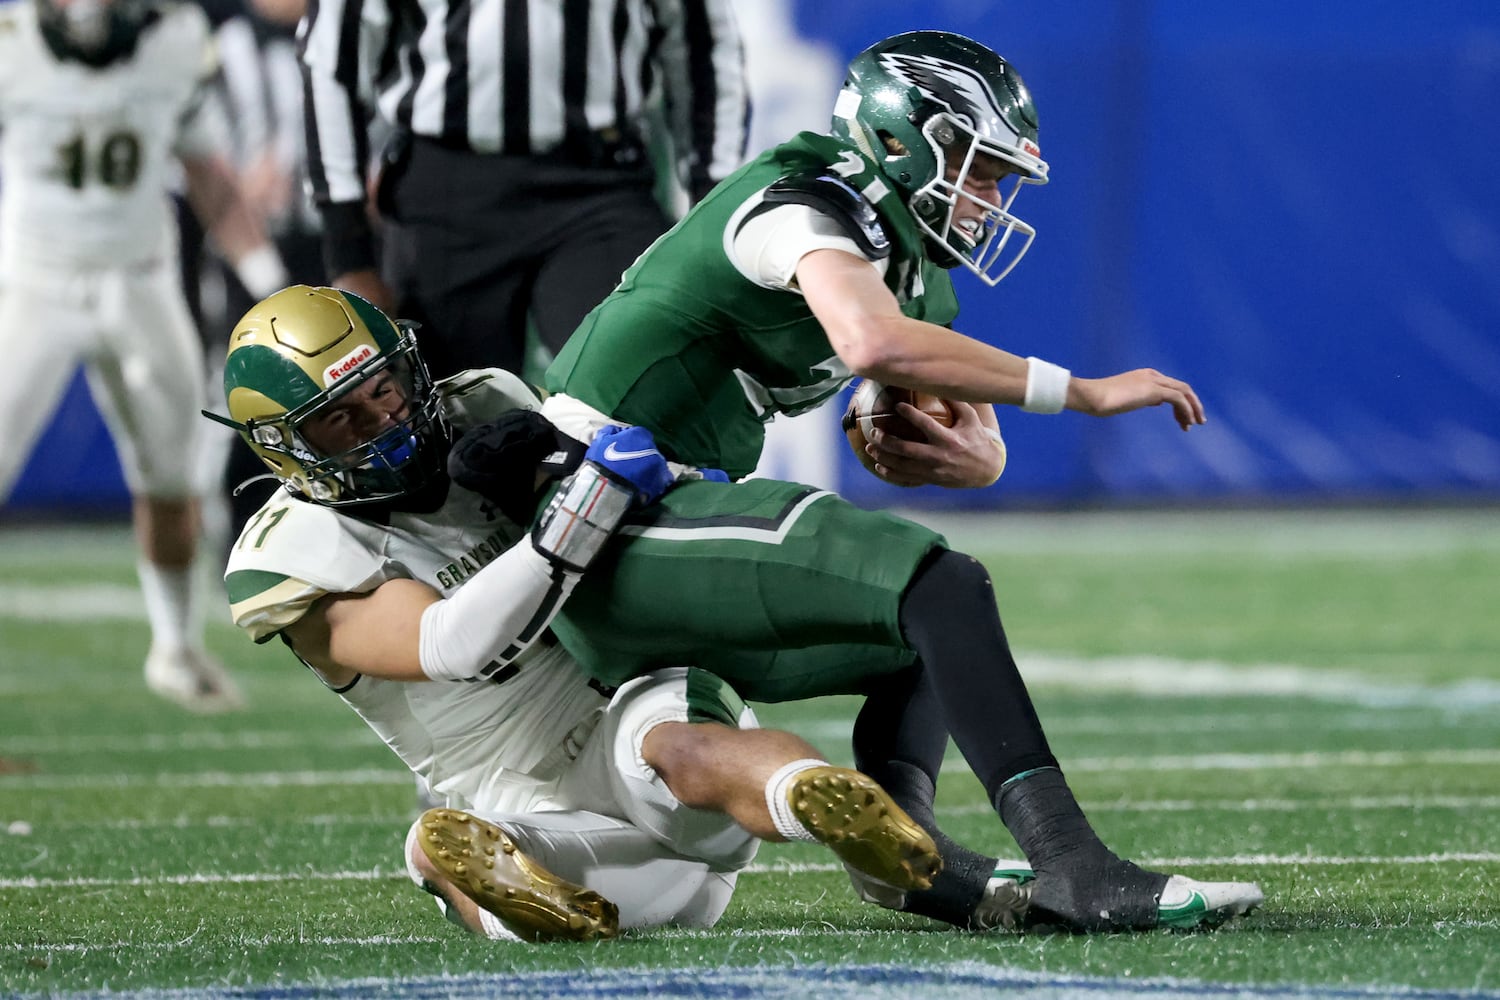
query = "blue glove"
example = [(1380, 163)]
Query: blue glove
[(630, 455), (714, 475)]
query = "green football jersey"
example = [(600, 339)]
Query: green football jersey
[(691, 348)]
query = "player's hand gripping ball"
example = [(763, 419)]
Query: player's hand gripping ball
[(873, 405)]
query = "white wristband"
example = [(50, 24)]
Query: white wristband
[(261, 271), (1046, 387)]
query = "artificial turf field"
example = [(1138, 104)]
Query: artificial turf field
[(1307, 699)]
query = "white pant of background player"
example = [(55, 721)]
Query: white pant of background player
[(130, 328)]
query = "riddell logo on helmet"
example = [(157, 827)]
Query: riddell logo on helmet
[(1031, 147), (348, 363)]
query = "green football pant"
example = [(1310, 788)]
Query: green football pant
[(783, 590)]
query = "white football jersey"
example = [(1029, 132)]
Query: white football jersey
[(85, 152), (492, 745)]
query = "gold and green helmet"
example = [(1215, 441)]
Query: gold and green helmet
[(294, 356), (918, 101)]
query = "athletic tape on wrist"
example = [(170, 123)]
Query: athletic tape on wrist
[(581, 516), (1046, 386), (779, 805)]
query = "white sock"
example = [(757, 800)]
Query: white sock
[(787, 823), (494, 927), (169, 605)]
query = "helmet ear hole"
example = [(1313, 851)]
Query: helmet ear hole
[(892, 145)]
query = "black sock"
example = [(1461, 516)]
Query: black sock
[(899, 740), (1080, 883)]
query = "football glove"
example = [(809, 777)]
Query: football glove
[(499, 460), (621, 469), (629, 455)]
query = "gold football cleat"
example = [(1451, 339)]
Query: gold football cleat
[(486, 865), (851, 814)]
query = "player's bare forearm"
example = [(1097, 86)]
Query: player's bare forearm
[(216, 197), (869, 333), (375, 633)]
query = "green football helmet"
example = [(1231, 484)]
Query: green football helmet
[(295, 355), (919, 102)]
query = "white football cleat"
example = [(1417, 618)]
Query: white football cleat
[(192, 679), (1186, 903), (1006, 897)]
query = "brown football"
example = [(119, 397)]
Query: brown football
[(874, 405)]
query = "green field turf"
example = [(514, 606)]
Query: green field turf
[(1310, 700)]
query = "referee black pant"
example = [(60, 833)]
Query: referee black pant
[(476, 244)]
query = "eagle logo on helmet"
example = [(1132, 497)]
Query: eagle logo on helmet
[(960, 89)]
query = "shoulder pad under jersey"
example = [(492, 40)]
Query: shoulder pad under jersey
[(842, 203)]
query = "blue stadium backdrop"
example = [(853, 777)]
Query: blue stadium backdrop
[(1293, 205)]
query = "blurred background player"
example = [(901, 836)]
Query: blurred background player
[(519, 180), (96, 97)]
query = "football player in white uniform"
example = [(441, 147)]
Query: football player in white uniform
[(96, 97), (571, 811)]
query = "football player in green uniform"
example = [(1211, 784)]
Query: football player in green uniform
[(824, 259)]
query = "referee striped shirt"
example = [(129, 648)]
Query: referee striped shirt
[(519, 77)]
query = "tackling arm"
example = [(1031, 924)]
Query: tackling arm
[(404, 630)]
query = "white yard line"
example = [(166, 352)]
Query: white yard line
[(1405, 803), (1270, 534), (1141, 675), (101, 602), (391, 874), (1290, 761), (1351, 720), (207, 779), (1356, 804), (1160, 675), (228, 740), (1161, 762)]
